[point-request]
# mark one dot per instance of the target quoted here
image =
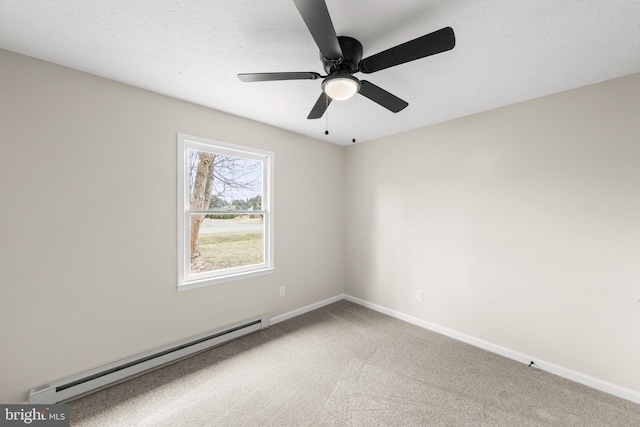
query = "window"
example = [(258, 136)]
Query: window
[(225, 212)]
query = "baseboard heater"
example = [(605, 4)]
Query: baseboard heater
[(96, 379)]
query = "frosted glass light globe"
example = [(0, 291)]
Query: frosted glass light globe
[(340, 88)]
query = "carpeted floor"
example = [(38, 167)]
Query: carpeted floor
[(346, 365)]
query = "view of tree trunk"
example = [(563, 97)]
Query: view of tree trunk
[(200, 197)]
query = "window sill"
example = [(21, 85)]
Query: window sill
[(223, 279)]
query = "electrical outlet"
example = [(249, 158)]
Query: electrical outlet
[(419, 295), (283, 291)]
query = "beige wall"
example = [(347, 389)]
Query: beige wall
[(521, 225), (88, 228)]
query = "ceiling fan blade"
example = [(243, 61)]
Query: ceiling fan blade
[(430, 44), (320, 107), (316, 16), (267, 77), (382, 97)]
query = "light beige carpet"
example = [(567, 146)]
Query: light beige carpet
[(346, 365)]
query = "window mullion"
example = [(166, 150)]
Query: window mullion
[(209, 212)]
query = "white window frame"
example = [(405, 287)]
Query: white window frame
[(186, 280)]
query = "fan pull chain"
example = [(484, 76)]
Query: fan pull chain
[(326, 115), (353, 140)]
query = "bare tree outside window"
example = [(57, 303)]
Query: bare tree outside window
[(230, 188)]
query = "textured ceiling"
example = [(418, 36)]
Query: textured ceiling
[(506, 51)]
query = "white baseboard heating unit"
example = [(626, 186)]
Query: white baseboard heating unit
[(90, 381)]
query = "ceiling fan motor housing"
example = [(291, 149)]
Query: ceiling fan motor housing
[(351, 56)]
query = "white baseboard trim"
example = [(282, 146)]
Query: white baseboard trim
[(578, 377), (303, 310)]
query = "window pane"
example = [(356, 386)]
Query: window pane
[(225, 240), (223, 182)]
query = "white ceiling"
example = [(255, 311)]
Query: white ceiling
[(506, 51)]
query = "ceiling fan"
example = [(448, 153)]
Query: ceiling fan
[(342, 57)]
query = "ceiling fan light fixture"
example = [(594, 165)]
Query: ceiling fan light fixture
[(340, 87)]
